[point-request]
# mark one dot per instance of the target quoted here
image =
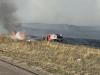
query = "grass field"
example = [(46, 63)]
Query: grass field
[(56, 58)]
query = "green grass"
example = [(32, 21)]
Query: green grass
[(60, 59)]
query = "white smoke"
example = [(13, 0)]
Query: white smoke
[(78, 12)]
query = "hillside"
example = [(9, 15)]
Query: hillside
[(89, 32), (56, 58)]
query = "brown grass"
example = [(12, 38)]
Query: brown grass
[(60, 59)]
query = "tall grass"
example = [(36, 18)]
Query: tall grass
[(60, 59)]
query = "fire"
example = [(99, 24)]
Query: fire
[(17, 35)]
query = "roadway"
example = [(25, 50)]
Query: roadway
[(8, 69)]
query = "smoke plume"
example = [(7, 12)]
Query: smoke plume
[(8, 18)]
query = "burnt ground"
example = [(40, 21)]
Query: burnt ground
[(81, 41)]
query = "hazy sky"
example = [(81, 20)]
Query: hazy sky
[(77, 12)]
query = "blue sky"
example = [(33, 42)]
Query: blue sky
[(77, 12)]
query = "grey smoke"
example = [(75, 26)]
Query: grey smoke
[(8, 18), (76, 12)]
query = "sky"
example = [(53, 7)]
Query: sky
[(77, 12)]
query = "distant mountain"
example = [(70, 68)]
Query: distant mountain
[(91, 32)]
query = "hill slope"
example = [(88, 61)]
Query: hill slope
[(56, 58)]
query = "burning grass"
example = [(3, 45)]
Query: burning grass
[(60, 59)]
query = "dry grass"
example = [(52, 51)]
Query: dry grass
[(53, 57)]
